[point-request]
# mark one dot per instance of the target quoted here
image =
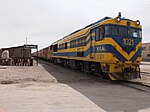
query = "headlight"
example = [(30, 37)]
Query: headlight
[(137, 22), (118, 19)]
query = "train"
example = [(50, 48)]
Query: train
[(110, 48)]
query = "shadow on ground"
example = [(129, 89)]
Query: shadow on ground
[(108, 96)]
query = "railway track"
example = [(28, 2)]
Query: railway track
[(145, 73), (135, 85)]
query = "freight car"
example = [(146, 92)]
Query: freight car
[(110, 47), (16, 56), (45, 53)]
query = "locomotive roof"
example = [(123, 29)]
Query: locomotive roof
[(93, 24)]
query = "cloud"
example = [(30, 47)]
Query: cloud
[(45, 21)]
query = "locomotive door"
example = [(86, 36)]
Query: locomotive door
[(92, 43)]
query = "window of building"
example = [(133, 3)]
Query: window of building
[(144, 48), (148, 55)]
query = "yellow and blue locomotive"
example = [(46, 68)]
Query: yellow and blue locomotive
[(110, 47)]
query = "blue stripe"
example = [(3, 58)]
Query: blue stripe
[(90, 39), (72, 54), (109, 49), (128, 49), (82, 44), (88, 51), (136, 54)]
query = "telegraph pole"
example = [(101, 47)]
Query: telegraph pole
[(26, 40)]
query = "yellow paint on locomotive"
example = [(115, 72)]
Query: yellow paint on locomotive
[(113, 43), (106, 59)]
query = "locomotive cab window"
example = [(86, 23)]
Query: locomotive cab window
[(102, 32), (120, 31), (99, 33), (135, 32), (107, 30)]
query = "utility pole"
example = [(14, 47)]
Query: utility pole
[(26, 40)]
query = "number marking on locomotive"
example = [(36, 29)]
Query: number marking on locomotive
[(128, 41)]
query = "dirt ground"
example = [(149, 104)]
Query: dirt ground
[(21, 74), (145, 73), (33, 89), (52, 88)]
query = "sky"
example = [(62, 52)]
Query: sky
[(44, 21)]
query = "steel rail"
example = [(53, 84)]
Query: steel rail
[(137, 85)]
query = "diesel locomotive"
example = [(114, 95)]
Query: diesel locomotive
[(110, 47)]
